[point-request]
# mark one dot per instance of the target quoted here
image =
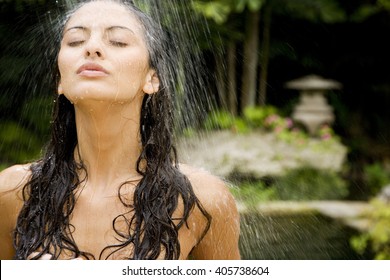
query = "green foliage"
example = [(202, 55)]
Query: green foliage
[(359, 243), (277, 123), (17, 144), (377, 237), (364, 12), (251, 193), (240, 126), (36, 113), (308, 183), (253, 5), (3, 166), (327, 11), (376, 177), (11, 68), (219, 120), (268, 118), (328, 138), (305, 183), (255, 116), (284, 130), (188, 132), (219, 10), (385, 4), (367, 10)]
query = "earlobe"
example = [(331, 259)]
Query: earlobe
[(60, 90), (152, 83)]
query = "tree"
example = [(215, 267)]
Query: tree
[(219, 11), (253, 11)]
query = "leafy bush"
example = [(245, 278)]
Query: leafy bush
[(225, 120), (326, 133), (37, 114), (284, 129), (376, 177), (219, 120), (240, 126), (268, 118), (255, 116), (3, 166), (17, 144), (252, 193), (277, 123), (377, 238), (308, 183)]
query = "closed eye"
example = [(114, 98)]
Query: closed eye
[(118, 44), (75, 43)]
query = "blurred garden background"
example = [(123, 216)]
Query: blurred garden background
[(249, 132)]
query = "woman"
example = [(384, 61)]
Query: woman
[(109, 185)]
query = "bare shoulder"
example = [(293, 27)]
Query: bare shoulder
[(210, 189), (12, 181), (221, 240), (14, 177)]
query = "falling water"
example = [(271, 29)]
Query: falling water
[(263, 236), (296, 236), (193, 97)]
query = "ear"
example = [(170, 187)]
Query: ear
[(152, 82), (59, 89)]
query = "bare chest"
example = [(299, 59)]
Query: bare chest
[(102, 224), (93, 224)]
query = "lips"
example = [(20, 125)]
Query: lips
[(92, 70)]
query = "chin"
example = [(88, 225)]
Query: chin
[(110, 98)]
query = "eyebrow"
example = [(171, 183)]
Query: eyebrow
[(109, 28), (75, 27), (120, 27)]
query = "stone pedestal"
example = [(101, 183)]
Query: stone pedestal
[(313, 111)]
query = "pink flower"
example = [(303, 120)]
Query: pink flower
[(289, 122), (326, 136), (278, 129), (271, 119)]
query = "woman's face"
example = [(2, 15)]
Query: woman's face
[(103, 55)]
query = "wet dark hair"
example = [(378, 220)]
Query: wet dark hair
[(43, 224)]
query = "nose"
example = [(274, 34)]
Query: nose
[(94, 49), (93, 53)]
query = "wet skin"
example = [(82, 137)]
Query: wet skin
[(105, 73)]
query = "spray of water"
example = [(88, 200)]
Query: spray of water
[(192, 80), (263, 237)]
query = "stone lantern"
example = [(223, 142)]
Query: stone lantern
[(312, 111)]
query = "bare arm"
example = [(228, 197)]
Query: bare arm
[(221, 240), (12, 180)]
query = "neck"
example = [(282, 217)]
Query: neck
[(108, 141)]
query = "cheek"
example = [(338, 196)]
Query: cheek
[(135, 66), (136, 60), (134, 72), (64, 64)]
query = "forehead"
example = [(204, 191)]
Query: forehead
[(104, 14)]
